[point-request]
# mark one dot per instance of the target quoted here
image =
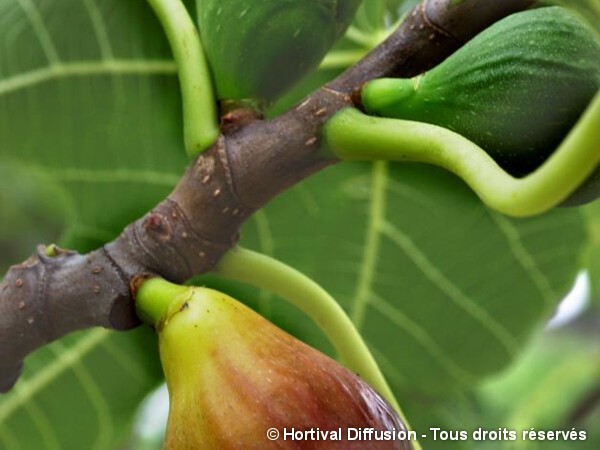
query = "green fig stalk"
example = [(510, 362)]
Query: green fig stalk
[(233, 376), (199, 106), (354, 136)]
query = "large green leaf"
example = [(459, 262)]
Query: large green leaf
[(90, 138), (91, 104), (80, 392), (445, 291), (449, 292), (554, 386)]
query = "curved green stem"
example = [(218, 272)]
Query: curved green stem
[(270, 274), (352, 135), (155, 297), (199, 105)]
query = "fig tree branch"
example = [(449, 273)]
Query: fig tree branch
[(56, 292)]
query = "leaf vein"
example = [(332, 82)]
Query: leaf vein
[(40, 420), (524, 258), (7, 436), (372, 240), (412, 194), (29, 387), (39, 28), (100, 29), (401, 320), (430, 271), (86, 68), (97, 176), (117, 354), (388, 367), (105, 422)]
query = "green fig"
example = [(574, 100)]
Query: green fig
[(516, 89), (233, 378), (261, 48)]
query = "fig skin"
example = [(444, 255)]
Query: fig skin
[(232, 375), (259, 49), (516, 90)]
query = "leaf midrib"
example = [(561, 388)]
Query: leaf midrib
[(86, 68), (372, 241)]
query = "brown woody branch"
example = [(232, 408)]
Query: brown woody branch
[(46, 297)]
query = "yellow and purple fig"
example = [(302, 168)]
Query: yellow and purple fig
[(260, 48), (234, 378)]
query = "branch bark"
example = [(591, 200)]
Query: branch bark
[(46, 297)]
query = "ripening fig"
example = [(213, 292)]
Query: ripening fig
[(516, 89), (232, 376), (258, 49)]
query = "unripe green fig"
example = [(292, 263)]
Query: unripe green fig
[(232, 376), (261, 48), (516, 89)]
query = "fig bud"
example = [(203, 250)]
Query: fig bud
[(261, 48), (234, 377)]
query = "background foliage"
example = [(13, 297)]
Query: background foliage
[(451, 297)]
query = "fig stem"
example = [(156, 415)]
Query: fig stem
[(353, 136), (155, 298), (200, 122), (277, 277)]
